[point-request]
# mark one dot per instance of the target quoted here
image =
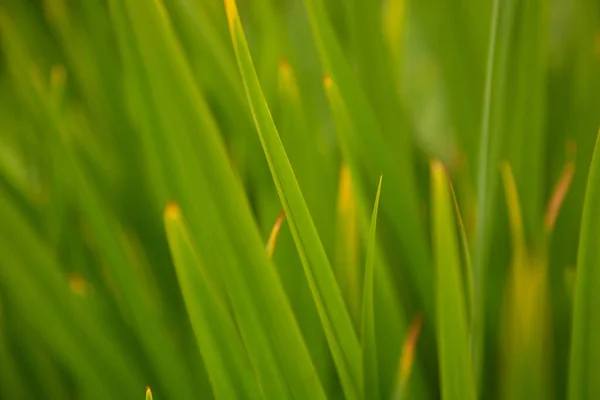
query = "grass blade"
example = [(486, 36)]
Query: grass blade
[(183, 140), (456, 371), (229, 370), (369, 347), (334, 316), (585, 348)]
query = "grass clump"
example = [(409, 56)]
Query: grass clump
[(437, 232)]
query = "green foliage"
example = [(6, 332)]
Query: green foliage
[(148, 147)]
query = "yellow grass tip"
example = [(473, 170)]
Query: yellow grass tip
[(408, 349), (345, 199), (561, 188), (78, 285), (148, 393), (231, 11), (58, 75), (274, 234), (172, 211)]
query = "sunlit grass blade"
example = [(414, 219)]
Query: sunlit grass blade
[(456, 373), (585, 347), (149, 394), (335, 319), (368, 338), (228, 367)]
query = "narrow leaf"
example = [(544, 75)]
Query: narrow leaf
[(334, 316), (455, 366), (585, 347), (369, 347), (228, 367)]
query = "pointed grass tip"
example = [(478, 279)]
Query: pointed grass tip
[(172, 211), (274, 234), (408, 349), (559, 193), (149, 393), (231, 11)]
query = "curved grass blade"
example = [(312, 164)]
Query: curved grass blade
[(455, 367), (369, 346), (227, 365), (334, 316), (585, 347)]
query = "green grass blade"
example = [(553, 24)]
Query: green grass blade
[(585, 348), (335, 318), (369, 347), (456, 371), (229, 370), (181, 136), (149, 394), (468, 267), (485, 192)]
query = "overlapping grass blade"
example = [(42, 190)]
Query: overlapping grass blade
[(456, 371), (184, 145), (368, 338), (334, 315), (585, 348), (228, 367)]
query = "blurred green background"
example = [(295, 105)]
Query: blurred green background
[(109, 109)]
